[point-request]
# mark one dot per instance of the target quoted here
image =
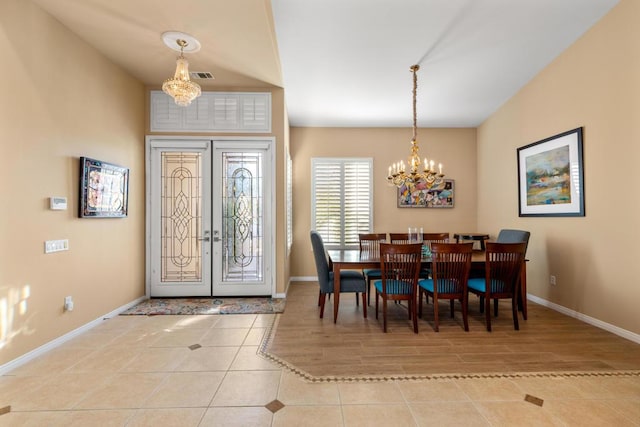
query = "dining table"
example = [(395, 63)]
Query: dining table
[(354, 259)]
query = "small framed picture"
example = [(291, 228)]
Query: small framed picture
[(551, 176), (420, 196), (104, 189)]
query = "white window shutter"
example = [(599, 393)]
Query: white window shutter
[(342, 200), (226, 111)]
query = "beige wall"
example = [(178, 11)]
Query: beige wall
[(595, 84), (455, 148), (280, 130), (285, 261), (62, 100)]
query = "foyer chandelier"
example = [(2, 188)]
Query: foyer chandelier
[(180, 87), (419, 171)]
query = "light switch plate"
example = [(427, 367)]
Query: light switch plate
[(56, 246)]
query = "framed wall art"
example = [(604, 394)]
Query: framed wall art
[(104, 189), (551, 176), (419, 196)]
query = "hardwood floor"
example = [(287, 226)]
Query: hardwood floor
[(547, 343)]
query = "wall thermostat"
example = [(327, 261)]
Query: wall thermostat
[(58, 203)]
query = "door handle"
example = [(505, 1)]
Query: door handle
[(216, 239), (204, 239)]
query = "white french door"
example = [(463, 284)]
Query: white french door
[(179, 218), (210, 224), (242, 218)]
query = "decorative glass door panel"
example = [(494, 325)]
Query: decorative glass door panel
[(181, 199), (242, 220), (180, 216), (239, 223)]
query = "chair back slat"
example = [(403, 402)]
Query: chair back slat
[(427, 238), (370, 243), (399, 238), (503, 264), (400, 267), (435, 237), (451, 263)]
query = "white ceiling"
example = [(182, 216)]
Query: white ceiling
[(345, 62)]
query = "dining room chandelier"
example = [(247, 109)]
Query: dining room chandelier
[(180, 87), (419, 171)]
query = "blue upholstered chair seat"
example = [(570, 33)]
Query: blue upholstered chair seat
[(350, 281), (444, 286), (426, 284), (479, 285), (372, 273), (395, 287)]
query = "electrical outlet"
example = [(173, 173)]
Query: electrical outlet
[(552, 280)]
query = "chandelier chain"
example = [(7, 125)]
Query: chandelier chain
[(415, 69)]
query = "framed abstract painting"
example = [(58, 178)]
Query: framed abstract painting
[(104, 189), (551, 176), (419, 196)]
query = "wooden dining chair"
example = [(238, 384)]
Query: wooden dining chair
[(507, 235), (450, 265), (400, 266), (435, 237), (428, 239), (399, 238), (502, 274), (350, 281), (514, 236), (370, 245)]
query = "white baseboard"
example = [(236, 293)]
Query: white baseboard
[(304, 279), (631, 336), (27, 357)]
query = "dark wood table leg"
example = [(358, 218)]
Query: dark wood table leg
[(522, 298), (336, 290)]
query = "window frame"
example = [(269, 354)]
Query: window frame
[(342, 162), (289, 203)]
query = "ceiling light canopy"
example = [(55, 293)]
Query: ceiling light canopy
[(180, 87)]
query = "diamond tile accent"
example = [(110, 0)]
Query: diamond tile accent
[(7, 409), (533, 399), (194, 346), (274, 406)]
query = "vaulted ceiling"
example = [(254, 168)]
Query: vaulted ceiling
[(345, 62)]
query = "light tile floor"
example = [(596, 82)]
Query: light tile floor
[(205, 371)]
